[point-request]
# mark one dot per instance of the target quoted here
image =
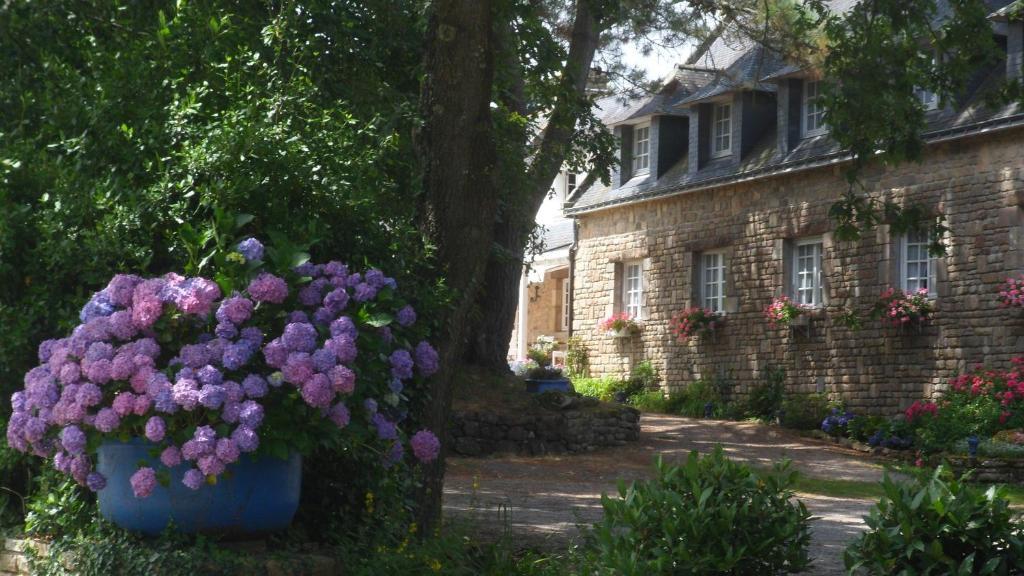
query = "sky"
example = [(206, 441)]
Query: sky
[(659, 63)]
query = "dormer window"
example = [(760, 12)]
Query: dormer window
[(813, 116), (721, 141), (642, 149), (928, 99), (570, 183)]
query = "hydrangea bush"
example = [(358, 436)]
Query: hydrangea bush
[(280, 364)]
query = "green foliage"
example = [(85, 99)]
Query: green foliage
[(938, 524), (577, 358), (601, 388), (804, 411), (690, 401), (707, 516), (59, 506), (642, 377), (652, 401), (766, 398)]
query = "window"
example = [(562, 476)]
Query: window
[(807, 272), (712, 281), (813, 109), (929, 99), (641, 149), (722, 131), (633, 288), (563, 322), (917, 266), (570, 183)]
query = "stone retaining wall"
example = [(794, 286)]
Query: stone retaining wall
[(483, 432), (12, 557)]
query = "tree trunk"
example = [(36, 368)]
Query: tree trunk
[(457, 148), (500, 297)]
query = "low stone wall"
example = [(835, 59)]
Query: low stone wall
[(579, 427), (12, 557)]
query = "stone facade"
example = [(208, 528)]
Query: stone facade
[(544, 308), (977, 182)]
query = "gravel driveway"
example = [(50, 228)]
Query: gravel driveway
[(540, 501)]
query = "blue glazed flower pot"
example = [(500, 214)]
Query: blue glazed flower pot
[(257, 495), (534, 386)]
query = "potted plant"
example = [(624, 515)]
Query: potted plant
[(621, 325), (1011, 292), (903, 310), (546, 378), (784, 312), (696, 321), (176, 402)]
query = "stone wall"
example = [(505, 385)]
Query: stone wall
[(977, 183), (12, 557), (541, 431)]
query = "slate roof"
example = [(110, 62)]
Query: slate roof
[(764, 158), (616, 109), (1003, 14), (557, 234)]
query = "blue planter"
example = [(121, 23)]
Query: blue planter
[(256, 496), (538, 386)]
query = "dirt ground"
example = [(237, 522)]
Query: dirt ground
[(541, 501)]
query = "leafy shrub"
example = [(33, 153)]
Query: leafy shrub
[(600, 388), (708, 516), (577, 358), (766, 398), (938, 524), (642, 377), (651, 401), (690, 401), (865, 427), (991, 448), (837, 422), (804, 411)]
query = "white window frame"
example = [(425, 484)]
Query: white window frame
[(641, 149), (929, 99), (917, 242), (563, 323), (721, 129), (570, 183), (817, 112), (806, 283), (712, 281), (633, 288)]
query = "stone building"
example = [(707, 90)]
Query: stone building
[(722, 201)]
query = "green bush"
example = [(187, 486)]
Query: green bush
[(938, 524), (690, 401), (708, 516), (577, 358), (651, 401), (863, 428), (766, 398), (601, 388), (804, 411)]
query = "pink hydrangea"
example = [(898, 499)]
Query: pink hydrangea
[(143, 482), (268, 288)]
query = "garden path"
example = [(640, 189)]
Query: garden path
[(539, 501)]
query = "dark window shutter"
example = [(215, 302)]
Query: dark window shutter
[(795, 112), (627, 153)]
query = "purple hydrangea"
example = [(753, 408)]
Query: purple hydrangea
[(107, 420), (310, 296), (121, 325), (298, 369), (186, 393), (394, 455), (335, 268), (426, 359), (425, 446), (209, 376), (386, 429), (96, 481), (324, 360), (226, 330), (344, 326), (80, 467), (227, 450), (236, 356), (251, 415), (89, 395), (275, 353), (193, 479), (252, 337), (364, 292), (336, 300), (211, 465), (268, 288), (251, 249), (231, 412), (317, 391), (299, 337), (306, 269), (98, 306), (339, 415), (121, 288), (195, 355), (343, 379), (344, 348), (72, 439), (254, 386), (124, 403), (401, 364), (155, 429), (143, 482), (406, 316), (233, 391), (235, 310), (170, 457), (246, 439)]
